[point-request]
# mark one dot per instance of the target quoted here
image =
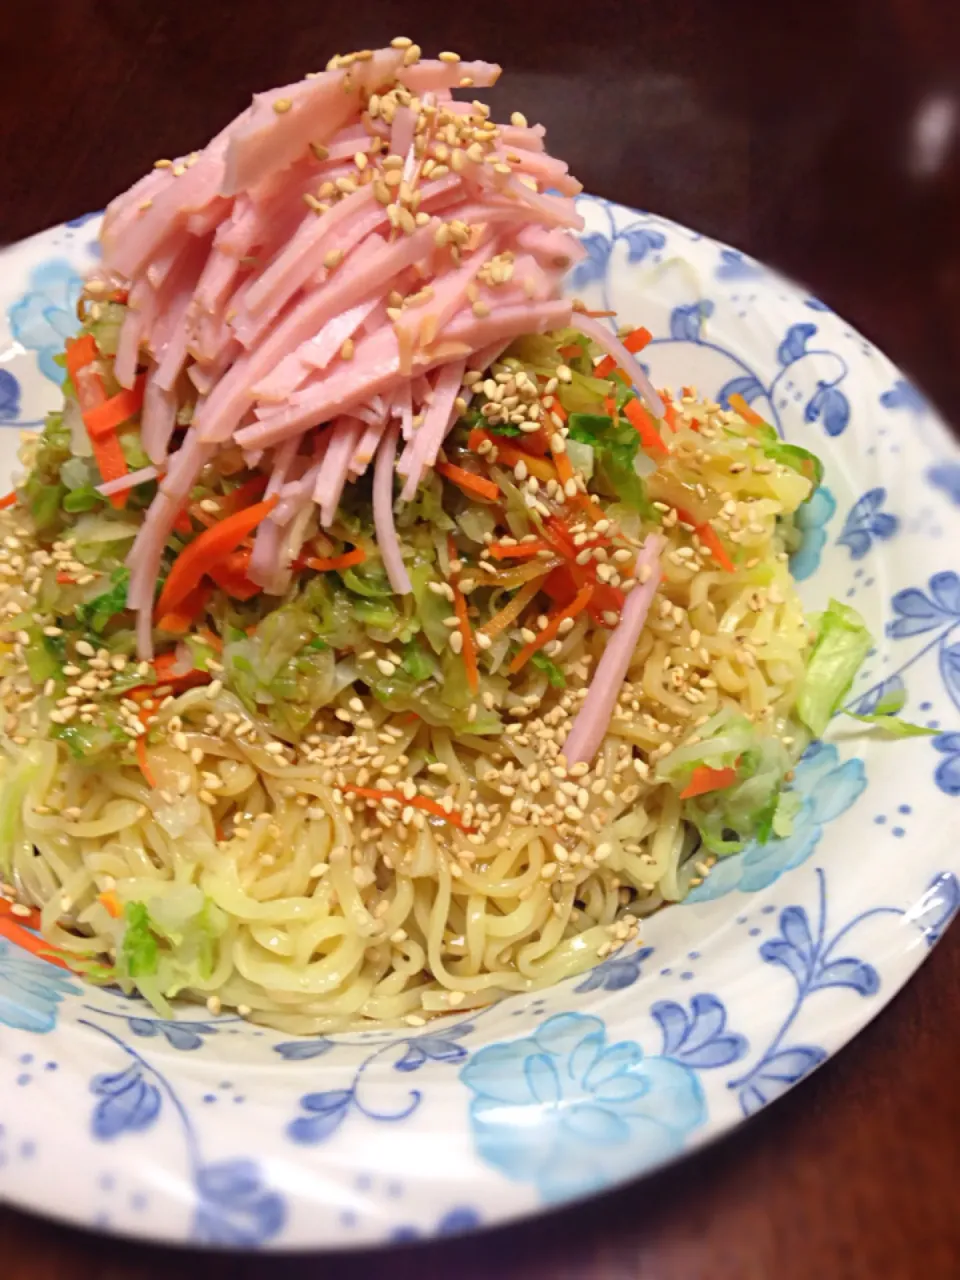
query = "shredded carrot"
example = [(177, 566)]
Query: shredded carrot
[(8, 500), (571, 351), (111, 902), (346, 561), (645, 427), (511, 455), (106, 417), (80, 352), (512, 610), (231, 575), (31, 920), (476, 485), (243, 495), (144, 763), (207, 551), (179, 621), (603, 368), (610, 407), (564, 469), (418, 802), (518, 550), (583, 598), (595, 315), (64, 580), (637, 339), (558, 409), (208, 637), (749, 415), (469, 651), (28, 941), (704, 779), (710, 539), (669, 413), (112, 464), (183, 524)]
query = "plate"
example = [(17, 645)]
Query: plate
[(216, 1132)]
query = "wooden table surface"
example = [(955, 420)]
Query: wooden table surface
[(824, 138)]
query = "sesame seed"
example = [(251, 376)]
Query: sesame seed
[(282, 105)]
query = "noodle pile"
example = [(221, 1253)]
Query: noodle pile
[(382, 868)]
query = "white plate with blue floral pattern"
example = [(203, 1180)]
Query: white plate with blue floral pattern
[(209, 1130)]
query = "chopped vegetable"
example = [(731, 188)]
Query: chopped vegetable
[(327, 564), (549, 632), (140, 950), (646, 428), (418, 802), (470, 483), (106, 417), (144, 763), (8, 500), (209, 550), (518, 550), (842, 643), (705, 779)]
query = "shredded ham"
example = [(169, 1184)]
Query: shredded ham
[(322, 307), (594, 716), (386, 530)]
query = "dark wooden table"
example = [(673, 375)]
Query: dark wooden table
[(823, 137)]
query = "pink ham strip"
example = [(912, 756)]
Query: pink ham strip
[(593, 718), (301, 256), (401, 132), (158, 419), (531, 137), (333, 473), (264, 568), (448, 294), (555, 248), (233, 395), (129, 481), (123, 211), (556, 211), (375, 368), (128, 348), (367, 447), (187, 194), (431, 75), (610, 343), (271, 140), (387, 540), (548, 170), (205, 377), (436, 423)]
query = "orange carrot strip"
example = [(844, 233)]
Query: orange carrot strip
[(513, 609), (8, 500), (595, 315), (511, 455), (704, 779), (32, 921), (571, 351), (179, 621), (80, 352), (23, 938), (645, 427), (106, 417), (637, 339), (209, 550), (749, 415), (518, 551), (418, 802), (111, 902), (346, 561), (476, 485), (208, 637), (583, 598), (605, 367), (558, 409), (144, 763), (112, 465), (710, 539), (669, 413), (564, 469), (64, 580), (469, 651)]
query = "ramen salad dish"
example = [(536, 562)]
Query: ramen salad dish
[(376, 640)]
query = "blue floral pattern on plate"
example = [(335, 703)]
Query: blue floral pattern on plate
[(211, 1130)]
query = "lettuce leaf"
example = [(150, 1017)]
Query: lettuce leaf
[(140, 950), (553, 673), (842, 643)]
